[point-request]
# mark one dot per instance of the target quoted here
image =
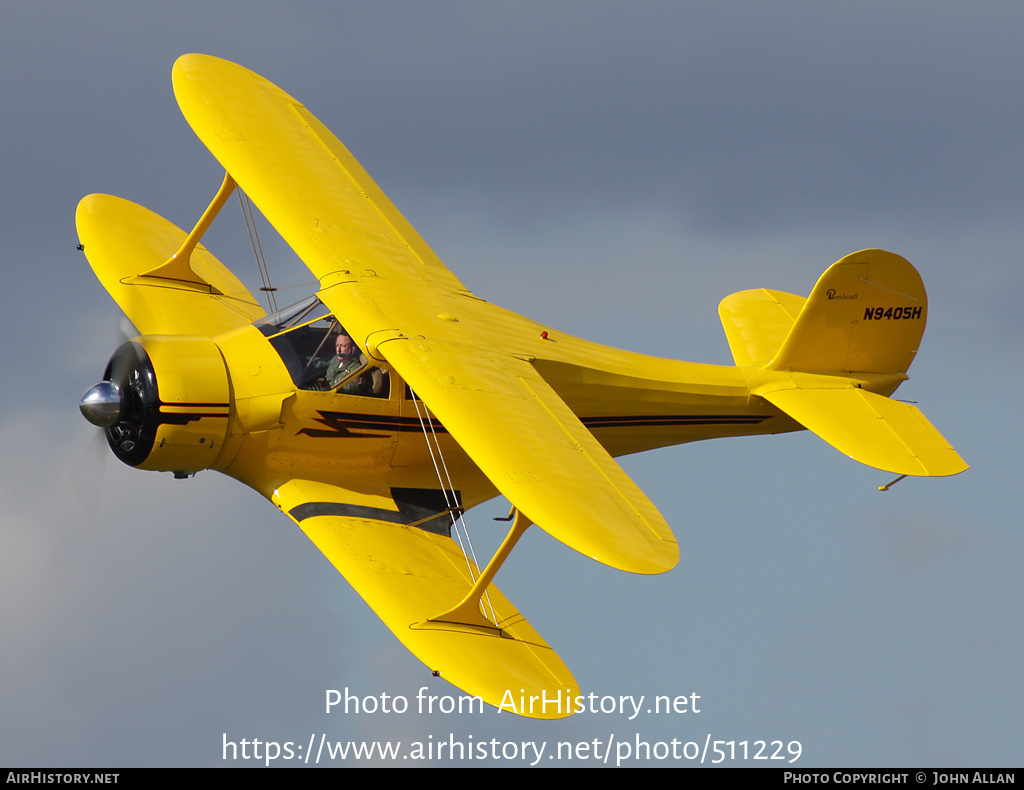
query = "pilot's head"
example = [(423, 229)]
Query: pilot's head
[(345, 347)]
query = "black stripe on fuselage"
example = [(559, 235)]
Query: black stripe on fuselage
[(340, 423), (674, 419), (185, 417)]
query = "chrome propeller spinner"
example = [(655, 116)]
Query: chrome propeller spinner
[(126, 403), (101, 404)]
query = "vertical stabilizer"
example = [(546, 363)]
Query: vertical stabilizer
[(866, 314)]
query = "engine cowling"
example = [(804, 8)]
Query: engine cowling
[(164, 403)]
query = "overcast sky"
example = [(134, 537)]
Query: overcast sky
[(614, 169)]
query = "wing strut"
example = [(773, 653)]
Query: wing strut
[(178, 266), (467, 611)]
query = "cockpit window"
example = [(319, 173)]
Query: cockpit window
[(318, 352), (303, 312)]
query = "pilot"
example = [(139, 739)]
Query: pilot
[(347, 361)]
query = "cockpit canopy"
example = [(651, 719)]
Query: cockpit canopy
[(306, 336)]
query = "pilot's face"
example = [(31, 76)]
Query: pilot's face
[(345, 347)]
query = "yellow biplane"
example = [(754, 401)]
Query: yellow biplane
[(374, 413)]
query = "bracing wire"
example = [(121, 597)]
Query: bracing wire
[(446, 486), (448, 502), (448, 480), (257, 250), (271, 290)]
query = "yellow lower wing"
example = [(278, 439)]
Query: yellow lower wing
[(872, 429), (408, 576)]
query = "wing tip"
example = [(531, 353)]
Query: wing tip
[(657, 557)]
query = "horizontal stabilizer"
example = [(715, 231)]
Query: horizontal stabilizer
[(409, 576), (756, 322), (872, 429)]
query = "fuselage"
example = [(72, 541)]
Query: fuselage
[(252, 403), (631, 402)]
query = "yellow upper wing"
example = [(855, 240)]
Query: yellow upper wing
[(400, 302), (537, 452), (300, 175), (409, 576), (122, 240)]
